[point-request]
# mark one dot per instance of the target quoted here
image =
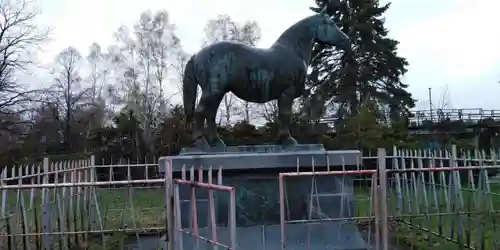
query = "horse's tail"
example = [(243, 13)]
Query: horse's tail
[(189, 89)]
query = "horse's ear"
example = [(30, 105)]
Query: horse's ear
[(330, 4), (324, 10)]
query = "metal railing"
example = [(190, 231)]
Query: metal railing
[(437, 116), (447, 198)]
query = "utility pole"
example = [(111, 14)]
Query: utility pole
[(433, 141), (430, 104)]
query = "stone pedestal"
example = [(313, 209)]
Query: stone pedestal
[(265, 157), (254, 170)]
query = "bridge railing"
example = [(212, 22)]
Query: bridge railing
[(421, 117), (467, 115)]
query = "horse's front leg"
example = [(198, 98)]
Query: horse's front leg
[(285, 103)]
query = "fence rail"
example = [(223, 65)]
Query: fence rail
[(451, 199)]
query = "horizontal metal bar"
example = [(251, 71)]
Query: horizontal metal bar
[(206, 239), (105, 231), (443, 169), (82, 184), (24, 177), (430, 157), (318, 221), (204, 185), (393, 217), (347, 172), (127, 165)]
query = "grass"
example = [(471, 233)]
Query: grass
[(430, 232), (146, 210), (146, 206)]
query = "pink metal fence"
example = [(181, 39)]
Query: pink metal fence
[(378, 197), (414, 181), (282, 201), (194, 220), (176, 231)]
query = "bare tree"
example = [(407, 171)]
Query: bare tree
[(20, 39), (224, 28), (98, 72), (68, 92), (443, 105), (444, 99), (145, 56), (269, 111), (166, 54), (180, 60), (436, 107), (229, 108), (97, 77)]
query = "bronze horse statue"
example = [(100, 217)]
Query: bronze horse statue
[(255, 75)]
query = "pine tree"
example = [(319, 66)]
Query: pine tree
[(374, 81)]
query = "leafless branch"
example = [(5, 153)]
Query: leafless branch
[(19, 39)]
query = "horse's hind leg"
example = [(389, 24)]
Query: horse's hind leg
[(198, 131), (285, 103), (207, 110), (211, 112)]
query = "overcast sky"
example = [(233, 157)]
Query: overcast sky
[(454, 43)]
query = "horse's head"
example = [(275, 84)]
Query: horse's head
[(327, 32)]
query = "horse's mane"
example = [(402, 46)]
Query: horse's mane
[(291, 32)]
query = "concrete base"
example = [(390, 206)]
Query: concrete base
[(319, 236), (327, 235), (264, 157), (258, 200), (257, 194)]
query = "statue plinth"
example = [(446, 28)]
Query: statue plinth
[(253, 149), (253, 170), (266, 157), (257, 190)]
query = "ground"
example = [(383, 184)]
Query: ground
[(143, 208)]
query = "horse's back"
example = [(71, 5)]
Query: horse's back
[(229, 60), (253, 74), (235, 52)]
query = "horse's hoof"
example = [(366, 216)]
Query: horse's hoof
[(202, 144), (287, 142), (218, 145)]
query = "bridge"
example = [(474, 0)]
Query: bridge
[(468, 116), (480, 126), (421, 118)]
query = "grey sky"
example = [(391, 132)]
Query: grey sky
[(454, 43)]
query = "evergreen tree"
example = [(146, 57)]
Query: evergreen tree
[(371, 77)]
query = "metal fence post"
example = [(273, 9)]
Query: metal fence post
[(165, 165), (399, 193), (382, 172), (45, 206)]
